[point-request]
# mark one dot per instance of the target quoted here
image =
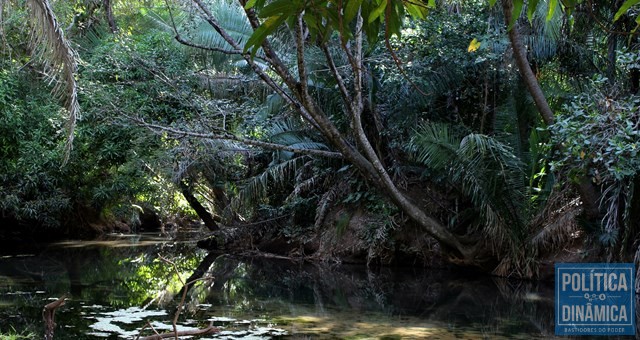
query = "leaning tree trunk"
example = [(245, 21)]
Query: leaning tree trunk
[(586, 189), (202, 212), (294, 90)]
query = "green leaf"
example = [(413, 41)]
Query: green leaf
[(517, 9), (285, 7), (531, 9), (254, 4), (416, 11), (372, 32), (623, 9), (552, 9), (250, 4), (262, 32), (351, 10), (637, 26), (569, 6), (492, 2), (377, 12), (311, 21), (394, 21)]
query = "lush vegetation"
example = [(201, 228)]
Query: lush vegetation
[(387, 131)]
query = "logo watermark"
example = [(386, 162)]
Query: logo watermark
[(595, 299)]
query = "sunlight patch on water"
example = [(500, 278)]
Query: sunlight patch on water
[(108, 322), (109, 243), (16, 256), (133, 314), (128, 323), (343, 326)]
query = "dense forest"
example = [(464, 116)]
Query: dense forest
[(498, 136)]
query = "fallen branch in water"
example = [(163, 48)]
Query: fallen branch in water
[(175, 334), (204, 331), (48, 315), (145, 326), (257, 253)]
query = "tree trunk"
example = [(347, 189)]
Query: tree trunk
[(362, 155), (586, 189), (202, 212), (520, 54), (109, 14)]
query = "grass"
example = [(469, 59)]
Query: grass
[(14, 335)]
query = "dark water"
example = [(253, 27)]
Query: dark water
[(119, 285)]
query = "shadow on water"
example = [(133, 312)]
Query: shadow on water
[(118, 285)]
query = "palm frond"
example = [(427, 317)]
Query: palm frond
[(434, 145), (231, 17), (256, 188), (52, 46), (164, 22), (293, 132), (486, 171)]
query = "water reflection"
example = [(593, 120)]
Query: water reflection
[(120, 285), (345, 301)]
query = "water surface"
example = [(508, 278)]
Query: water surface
[(121, 284)]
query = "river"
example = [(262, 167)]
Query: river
[(121, 284)]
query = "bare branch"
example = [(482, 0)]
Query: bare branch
[(276, 63), (346, 97), (223, 135), (302, 70), (181, 40), (273, 57), (358, 68)]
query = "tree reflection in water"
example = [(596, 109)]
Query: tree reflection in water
[(259, 296)]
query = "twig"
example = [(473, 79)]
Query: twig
[(149, 325)]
